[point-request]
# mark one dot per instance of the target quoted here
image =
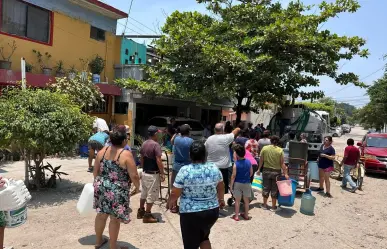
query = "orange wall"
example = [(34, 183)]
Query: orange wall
[(71, 41)]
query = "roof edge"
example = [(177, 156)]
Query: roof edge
[(108, 7)]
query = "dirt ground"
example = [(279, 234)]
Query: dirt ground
[(346, 221)]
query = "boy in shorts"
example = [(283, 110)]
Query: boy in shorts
[(2, 223), (240, 181)]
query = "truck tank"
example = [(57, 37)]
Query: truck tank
[(301, 120)]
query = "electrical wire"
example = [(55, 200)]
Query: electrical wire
[(130, 9), (345, 87), (144, 25), (127, 28)]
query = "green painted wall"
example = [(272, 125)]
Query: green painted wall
[(131, 48)]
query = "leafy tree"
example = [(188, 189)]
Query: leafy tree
[(40, 123), (374, 114), (82, 91), (250, 52)]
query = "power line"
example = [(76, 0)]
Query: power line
[(138, 28), (345, 87), (143, 25), (127, 28), (130, 9)]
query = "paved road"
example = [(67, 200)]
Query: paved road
[(346, 221)]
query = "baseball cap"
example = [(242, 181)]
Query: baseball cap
[(153, 130), (185, 128)]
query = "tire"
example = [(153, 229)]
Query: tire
[(336, 173)]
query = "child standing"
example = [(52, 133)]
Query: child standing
[(240, 181)]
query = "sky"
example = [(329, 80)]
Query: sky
[(146, 16)]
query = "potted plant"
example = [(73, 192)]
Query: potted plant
[(29, 67), (43, 60), (59, 69), (72, 72), (5, 63), (97, 64)]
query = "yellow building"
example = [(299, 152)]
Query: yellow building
[(72, 31)]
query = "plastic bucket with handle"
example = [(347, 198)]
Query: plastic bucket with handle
[(285, 187)]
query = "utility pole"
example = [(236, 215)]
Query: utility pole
[(23, 73)]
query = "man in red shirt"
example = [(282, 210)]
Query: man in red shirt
[(350, 161)]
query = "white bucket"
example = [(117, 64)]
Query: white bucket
[(17, 217)]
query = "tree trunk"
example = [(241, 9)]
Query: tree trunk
[(26, 170), (238, 111)]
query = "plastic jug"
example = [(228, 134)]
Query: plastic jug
[(285, 187), (313, 170), (85, 202), (307, 203), (13, 195)]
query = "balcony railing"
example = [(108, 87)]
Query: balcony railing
[(9, 77)]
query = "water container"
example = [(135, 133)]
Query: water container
[(85, 202), (17, 217), (313, 170), (96, 78), (285, 187), (307, 203), (84, 150), (288, 201), (13, 195)]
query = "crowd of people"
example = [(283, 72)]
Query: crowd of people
[(202, 173)]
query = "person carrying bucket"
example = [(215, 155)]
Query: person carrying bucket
[(2, 222), (272, 156)]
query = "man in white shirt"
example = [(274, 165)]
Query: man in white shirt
[(100, 125), (219, 151)]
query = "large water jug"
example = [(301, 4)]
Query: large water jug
[(85, 202), (313, 170), (13, 195), (307, 203)]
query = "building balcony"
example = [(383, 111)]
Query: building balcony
[(9, 78)]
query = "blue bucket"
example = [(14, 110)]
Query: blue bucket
[(288, 201), (84, 150)]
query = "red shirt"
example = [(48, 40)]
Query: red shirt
[(352, 154)]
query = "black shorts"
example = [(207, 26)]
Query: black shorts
[(196, 227), (95, 145)]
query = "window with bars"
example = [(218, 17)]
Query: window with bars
[(25, 20), (97, 34)]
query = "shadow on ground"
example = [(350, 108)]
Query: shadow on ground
[(377, 176), (66, 190), (286, 212), (90, 241)]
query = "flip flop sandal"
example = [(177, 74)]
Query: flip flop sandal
[(246, 218), (175, 210), (104, 241), (235, 217)]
